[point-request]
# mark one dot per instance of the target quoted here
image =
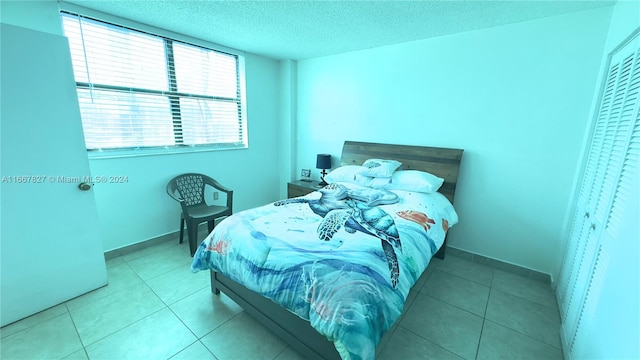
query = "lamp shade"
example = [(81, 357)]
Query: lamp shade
[(323, 161)]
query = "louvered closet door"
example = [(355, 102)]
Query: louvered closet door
[(613, 159)]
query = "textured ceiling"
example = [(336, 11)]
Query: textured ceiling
[(306, 29)]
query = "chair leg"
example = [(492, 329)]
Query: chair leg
[(192, 229), (181, 227)]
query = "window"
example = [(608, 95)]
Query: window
[(139, 91)]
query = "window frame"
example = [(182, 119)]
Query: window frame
[(169, 38)]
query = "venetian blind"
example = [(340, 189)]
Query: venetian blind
[(140, 90)]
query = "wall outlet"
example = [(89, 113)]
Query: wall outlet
[(216, 195)]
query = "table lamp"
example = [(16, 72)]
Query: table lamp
[(323, 162)]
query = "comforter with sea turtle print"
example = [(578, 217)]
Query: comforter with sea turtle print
[(343, 258)]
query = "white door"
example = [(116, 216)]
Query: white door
[(51, 249), (604, 200)]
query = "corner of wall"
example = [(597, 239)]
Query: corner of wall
[(36, 15), (288, 110)]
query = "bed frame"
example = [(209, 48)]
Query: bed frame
[(297, 332)]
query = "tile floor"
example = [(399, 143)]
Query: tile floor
[(155, 308)]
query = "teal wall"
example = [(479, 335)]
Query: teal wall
[(37, 15), (516, 98)]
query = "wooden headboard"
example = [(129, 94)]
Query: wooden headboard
[(441, 162)]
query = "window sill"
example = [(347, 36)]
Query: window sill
[(125, 153)]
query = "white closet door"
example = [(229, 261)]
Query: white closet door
[(580, 226), (612, 162)]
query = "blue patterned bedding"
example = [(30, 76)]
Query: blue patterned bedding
[(343, 264)]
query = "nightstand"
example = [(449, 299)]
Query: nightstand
[(299, 188)]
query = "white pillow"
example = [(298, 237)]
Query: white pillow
[(414, 180), (379, 168), (348, 173), (378, 182)]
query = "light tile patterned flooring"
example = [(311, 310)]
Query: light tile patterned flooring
[(155, 308)]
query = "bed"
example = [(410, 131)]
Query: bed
[(329, 272)]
